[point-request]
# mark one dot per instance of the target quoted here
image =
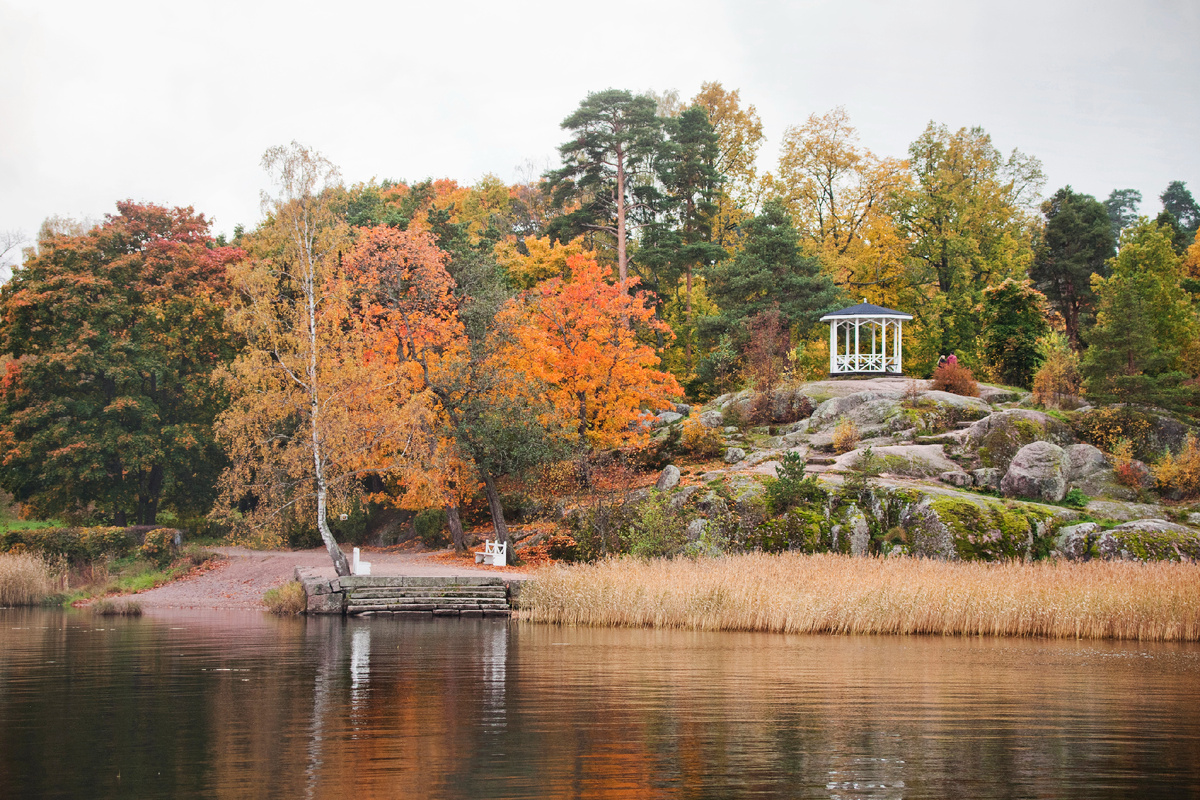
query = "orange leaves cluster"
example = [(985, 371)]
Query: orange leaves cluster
[(582, 338)]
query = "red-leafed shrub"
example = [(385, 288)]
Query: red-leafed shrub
[(956, 379)]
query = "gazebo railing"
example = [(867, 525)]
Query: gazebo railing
[(866, 362)]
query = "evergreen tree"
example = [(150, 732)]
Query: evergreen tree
[(771, 270), (607, 168), (1146, 329), (1014, 319), (1122, 206), (1180, 204), (1076, 245)]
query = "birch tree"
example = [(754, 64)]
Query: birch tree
[(301, 430)]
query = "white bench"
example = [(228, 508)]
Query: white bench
[(360, 567), (494, 553)]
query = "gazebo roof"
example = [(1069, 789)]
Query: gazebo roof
[(865, 310)]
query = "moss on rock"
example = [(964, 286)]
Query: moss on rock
[(991, 531)]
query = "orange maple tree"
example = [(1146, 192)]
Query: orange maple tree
[(581, 337)]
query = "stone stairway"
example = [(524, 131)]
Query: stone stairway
[(426, 597)]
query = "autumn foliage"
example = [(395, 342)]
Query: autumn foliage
[(582, 337)]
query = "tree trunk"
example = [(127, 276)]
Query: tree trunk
[(497, 510), (456, 528), (149, 489), (119, 519), (622, 262), (687, 343), (340, 565)]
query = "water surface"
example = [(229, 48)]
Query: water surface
[(226, 704)]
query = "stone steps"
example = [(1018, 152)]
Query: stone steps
[(418, 591), (428, 600), (422, 603)]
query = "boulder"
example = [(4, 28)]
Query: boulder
[(1084, 461), (734, 455), (1149, 540), (731, 429), (987, 478), (666, 418), (695, 529), (712, 419), (1038, 471), (1074, 542), (683, 408), (685, 493), (997, 437), (668, 479), (956, 478)]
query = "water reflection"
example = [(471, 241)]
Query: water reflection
[(241, 705)]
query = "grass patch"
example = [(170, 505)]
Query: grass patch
[(128, 575), (791, 593), (26, 579), (286, 600), (27, 524)]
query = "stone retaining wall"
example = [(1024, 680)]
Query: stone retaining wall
[(409, 596)]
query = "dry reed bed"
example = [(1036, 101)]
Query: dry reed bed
[(840, 594), (25, 579)]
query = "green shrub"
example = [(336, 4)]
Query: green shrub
[(286, 600), (431, 527), (1076, 498), (76, 545), (791, 487), (159, 547), (657, 528)]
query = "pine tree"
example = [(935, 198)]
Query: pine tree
[(772, 270), (1146, 329), (1076, 245)]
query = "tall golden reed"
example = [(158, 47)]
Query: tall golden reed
[(839, 594), (25, 579)]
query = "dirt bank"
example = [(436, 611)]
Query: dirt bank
[(245, 575)]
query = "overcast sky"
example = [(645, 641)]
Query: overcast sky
[(174, 103)]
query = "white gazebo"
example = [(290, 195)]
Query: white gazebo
[(853, 329)]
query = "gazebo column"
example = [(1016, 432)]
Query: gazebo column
[(833, 347), (899, 327), (857, 362)]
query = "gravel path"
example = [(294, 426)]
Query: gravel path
[(245, 575)]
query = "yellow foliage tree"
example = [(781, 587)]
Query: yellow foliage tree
[(839, 195), (543, 259)]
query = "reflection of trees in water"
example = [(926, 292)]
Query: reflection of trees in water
[(383, 708)]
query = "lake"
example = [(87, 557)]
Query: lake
[(242, 705)]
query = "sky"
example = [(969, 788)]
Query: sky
[(175, 103)]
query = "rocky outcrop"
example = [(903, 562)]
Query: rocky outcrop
[(1075, 542), (912, 460), (712, 419), (1038, 472), (1149, 540), (997, 438)]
